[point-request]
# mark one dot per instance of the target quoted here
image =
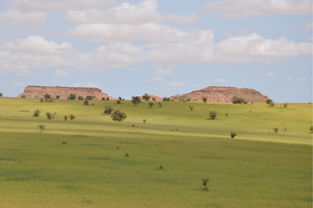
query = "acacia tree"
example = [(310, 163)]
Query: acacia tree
[(136, 100), (204, 99), (118, 116), (146, 97)]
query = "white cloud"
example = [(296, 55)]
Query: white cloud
[(175, 84), (19, 17), (61, 5), (18, 84), (306, 27), (125, 13), (302, 79), (220, 80), (271, 74), (86, 84), (157, 79), (247, 8), (289, 79), (163, 72), (61, 73), (124, 32)]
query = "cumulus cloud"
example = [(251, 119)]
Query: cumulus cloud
[(175, 84), (19, 17), (220, 80), (61, 73), (157, 79), (271, 75), (163, 72), (125, 13), (61, 5), (244, 8), (306, 27)]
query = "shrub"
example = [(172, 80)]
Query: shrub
[(1, 94), (285, 105), (41, 100), (126, 155), (118, 102), (212, 115), (151, 104), (136, 100), (311, 129), (272, 104), (41, 127), (205, 182), (118, 116), (165, 99), (204, 99), (72, 117), (57, 97), (160, 105), (47, 96), (80, 98), (275, 130), (233, 135), (144, 121), (89, 97), (238, 100), (36, 113), (108, 110), (71, 97), (86, 102), (269, 101), (146, 97), (153, 99), (191, 108), (50, 116), (65, 118), (226, 114), (161, 167)]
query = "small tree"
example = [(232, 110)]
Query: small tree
[(191, 108), (90, 97), (144, 121), (166, 99), (118, 116), (205, 182), (233, 135), (146, 97), (71, 97), (86, 102), (311, 129), (204, 99), (271, 104), (50, 116), (57, 97), (275, 130), (160, 105), (118, 102), (269, 101), (151, 104), (47, 96), (238, 100), (41, 127), (285, 105), (80, 98), (65, 118), (72, 117), (136, 100), (108, 110), (36, 113), (212, 115), (1, 94)]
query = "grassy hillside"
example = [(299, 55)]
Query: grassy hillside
[(82, 163)]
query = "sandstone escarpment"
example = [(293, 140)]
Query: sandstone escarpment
[(225, 94), (63, 92)]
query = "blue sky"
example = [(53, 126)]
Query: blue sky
[(161, 47)]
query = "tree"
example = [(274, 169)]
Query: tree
[(118, 116), (204, 99), (233, 135), (160, 105), (165, 99), (65, 118), (80, 98), (118, 102), (47, 96), (285, 105), (151, 104), (50, 116), (238, 100), (191, 108), (311, 129), (57, 97), (212, 115), (1, 94), (108, 110), (205, 182), (72, 117), (41, 127), (36, 113), (275, 130), (90, 97), (71, 97), (136, 100), (269, 101), (146, 97), (86, 102)]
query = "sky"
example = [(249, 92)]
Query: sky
[(161, 47)]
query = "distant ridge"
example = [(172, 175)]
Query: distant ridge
[(225, 94), (63, 92)]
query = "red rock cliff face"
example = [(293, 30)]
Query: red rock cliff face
[(226, 94), (63, 92)]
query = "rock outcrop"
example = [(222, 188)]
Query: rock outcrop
[(63, 92), (224, 94)]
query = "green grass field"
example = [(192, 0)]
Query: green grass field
[(258, 169)]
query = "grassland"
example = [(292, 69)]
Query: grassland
[(82, 163)]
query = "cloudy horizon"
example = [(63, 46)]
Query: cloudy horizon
[(159, 47)]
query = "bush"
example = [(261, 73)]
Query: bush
[(57, 97), (71, 97), (146, 97), (212, 115), (269, 101), (50, 116), (160, 105), (191, 108), (1, 94), (41, 127), (311, 129), (108, 110), (233, 135), (90, 98), (272, 104), (144, 121), (166, 99), (47, 96), (36, 113), (86, 102), (205, 182), (238, 100), (136, 100), (126, 155), (285, 105), (80, 98), (204, 99), (118, 116), (275, 130), (65, 118), (72, 117), (118, 102), (151, 104)]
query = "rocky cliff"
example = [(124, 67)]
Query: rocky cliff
[(225, 94), (63, 92)]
